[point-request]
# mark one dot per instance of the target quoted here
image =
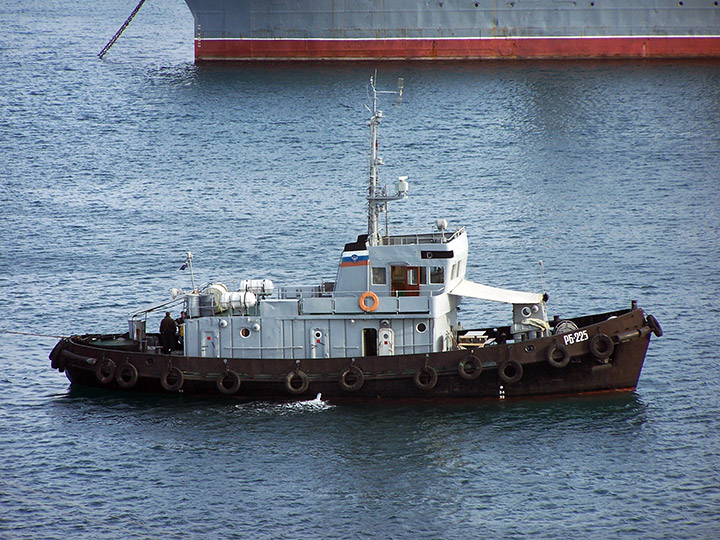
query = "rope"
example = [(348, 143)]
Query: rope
[(120, 31), (30, 334)]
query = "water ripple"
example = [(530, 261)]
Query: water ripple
[(112, 170)]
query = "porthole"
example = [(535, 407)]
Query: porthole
[(421, 327), (245, 332)]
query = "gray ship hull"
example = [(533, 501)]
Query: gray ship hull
[(452, 29)]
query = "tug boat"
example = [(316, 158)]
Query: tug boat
[(386, 328)]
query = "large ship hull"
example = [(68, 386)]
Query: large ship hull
[(605, 354), (453, 30)]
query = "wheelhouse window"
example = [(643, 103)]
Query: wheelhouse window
[(412, 276), (379, 276), (437, 274)]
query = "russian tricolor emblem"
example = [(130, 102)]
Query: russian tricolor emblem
[(355, 258)]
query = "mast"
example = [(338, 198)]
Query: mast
[(378, 198), (373, 206)]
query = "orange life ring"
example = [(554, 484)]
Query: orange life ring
[(373, 297)]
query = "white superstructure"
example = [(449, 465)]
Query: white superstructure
[(393, 295)]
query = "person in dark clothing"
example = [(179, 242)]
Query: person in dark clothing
[(180, 321), (168, 328)]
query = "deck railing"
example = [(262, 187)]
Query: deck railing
[(427, 238)]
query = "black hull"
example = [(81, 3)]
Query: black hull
[(542, 367)]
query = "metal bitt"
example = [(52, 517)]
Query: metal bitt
[(378, 197)]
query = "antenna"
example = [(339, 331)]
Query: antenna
[(378, 198)]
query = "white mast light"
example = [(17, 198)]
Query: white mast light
[(402, 185)]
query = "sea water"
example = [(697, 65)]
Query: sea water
[(111, 170)]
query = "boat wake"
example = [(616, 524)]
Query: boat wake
[(269, 408), (316, 404)]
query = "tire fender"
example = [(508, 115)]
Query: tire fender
[(510, 371), (234, 380), (359, 379), (558, 350), (171, 373), (290, 378), (601, 346), (126, 376), (472, 362), (105, 370), (423, 373)]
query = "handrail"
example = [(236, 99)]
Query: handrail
[(421, 238), (313, 292), (157, 306)]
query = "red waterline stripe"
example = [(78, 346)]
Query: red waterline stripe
[(459, 48)]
